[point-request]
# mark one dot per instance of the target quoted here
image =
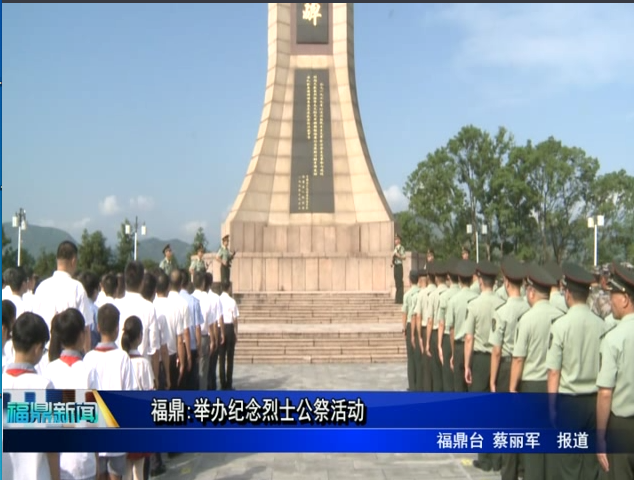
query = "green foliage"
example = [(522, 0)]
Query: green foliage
[(199, 239), (149, 264), (533, 199), (10, 255), (45, 264), (94, 255), (125, 248)]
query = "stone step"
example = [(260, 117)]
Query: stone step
[(293, 349), (302, 359)]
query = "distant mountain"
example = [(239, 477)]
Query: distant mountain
[(36, 238)]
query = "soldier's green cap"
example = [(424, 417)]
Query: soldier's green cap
[(513, 269), (621, 281), (422, 272), (413, 275), (431, 268), (440, 268), (450, 266), (575, 277), (539, 278), (487, 269), (554, 270), (465, 268)]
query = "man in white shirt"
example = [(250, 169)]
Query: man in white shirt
[(17, 282), (133, 304), (195, 330), (148, 292), (230, 316), (31, 285), (61, 291), (206, 332), (108, 291), (180, 304), (217, 328)]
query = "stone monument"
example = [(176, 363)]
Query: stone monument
[(311, 215)]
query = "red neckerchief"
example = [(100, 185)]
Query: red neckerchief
[(105, 348), (135, 355), (16, 372), (69, 359)]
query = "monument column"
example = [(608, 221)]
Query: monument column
[(311, 215)]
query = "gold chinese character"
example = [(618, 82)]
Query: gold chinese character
[(312, 11)]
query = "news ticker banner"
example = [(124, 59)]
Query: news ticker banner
[(320, 422)]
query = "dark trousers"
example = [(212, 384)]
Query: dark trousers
[(398, 283), (480, 374), (212, 382), (411, 359), (620, 435), (576, 414), (225, 274), (537, 466), (227, 351), (459, 385), (418, 367), (192, 376), (447, 372), (507, 463), (174, 373), (436, 366), (426, 365)]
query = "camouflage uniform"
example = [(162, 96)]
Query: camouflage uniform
[(601, 305)]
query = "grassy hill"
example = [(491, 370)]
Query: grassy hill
[(36, 238)]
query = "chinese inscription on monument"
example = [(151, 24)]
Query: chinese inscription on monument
[(312, 12), (312, 23)]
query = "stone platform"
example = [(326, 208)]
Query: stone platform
[(317, 327)]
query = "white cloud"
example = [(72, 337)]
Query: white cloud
[(109, 206), (142, 203), (396, 199), (79, 224), (45, 223), (190, 228), (548, 45)]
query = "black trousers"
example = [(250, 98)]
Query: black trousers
[(225, 274), (192, 376), (212, 382), (537, 466), (436, 366), (227, 351), (426, 365), (620, 436), (447, 373), (174, 372), (398, 283), (411, 359), (459, 385), (480, 374)]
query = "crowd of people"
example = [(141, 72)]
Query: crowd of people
[(132, 330), (542, 329)]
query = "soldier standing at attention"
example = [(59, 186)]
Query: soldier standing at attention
[(477, 349), (444, 339), (601, 304), (422, 310), (502, 338), (556, 297), (528, 368), (456, 316), (198, 264), (433, 301), (573, 366), (416, 331), (397, 264), (167, 264), (408, 312), (615, 402), (225, 257)]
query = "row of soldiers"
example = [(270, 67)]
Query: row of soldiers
[(536, 333)]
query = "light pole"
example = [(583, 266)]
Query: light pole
[(477, 237), (19, 222), (595, 223), (128, 231)]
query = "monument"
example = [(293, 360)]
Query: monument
[(311, 215)]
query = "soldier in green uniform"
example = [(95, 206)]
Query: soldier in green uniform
[(198, 264), (416, 332), (422, 311), (601, 304), (433, 300), (556, 297), (528, 368), (477, 349), (444, 339), (408, 312), (456, 316), (615, 403), (501, 291), (398, 256), (475, 285), (610, 322), (167, 264), (502, 339), (423, 378), (573, 367), (225, 257)]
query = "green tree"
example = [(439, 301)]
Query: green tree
[(199, 239), (94, 255), (45, 264), (125, 248), (6, 241), (149, 264)]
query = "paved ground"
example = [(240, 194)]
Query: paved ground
[(322, 466)]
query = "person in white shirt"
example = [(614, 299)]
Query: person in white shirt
[(108, 290), (218, 329), (181, 304), (148, 292), (8, 319), (130, 341), (61, 291), (90, 281), (6, 289), (67, 371), (133, 304), (30, 336), (230, 315), (206, 329), (115, 371), (194, 329), (16, 279), (31, 286)]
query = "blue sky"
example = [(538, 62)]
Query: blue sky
[(118, 110)]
